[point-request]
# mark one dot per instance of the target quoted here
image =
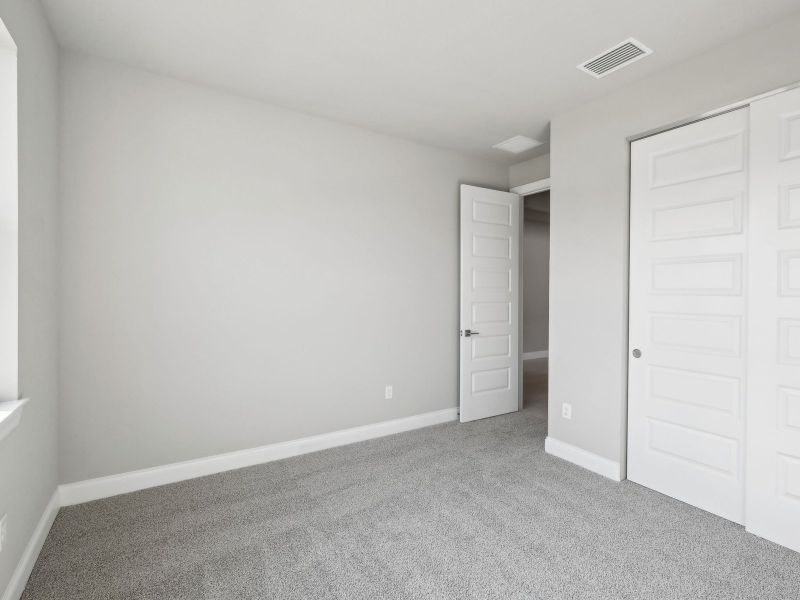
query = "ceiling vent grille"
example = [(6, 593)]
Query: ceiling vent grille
[(615, 58)]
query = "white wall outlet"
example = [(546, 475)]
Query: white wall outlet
[(389, 393), (566, 410), (3, 532)]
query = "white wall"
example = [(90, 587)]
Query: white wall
[(530, 170), (589, 221), (28, 456), (236, 274)]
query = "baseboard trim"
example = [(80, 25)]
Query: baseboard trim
[(113, 485), (535, 355), (783, 537), (19, 578), (599, 464)]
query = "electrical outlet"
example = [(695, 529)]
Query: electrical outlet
[(389, 393), (566, 410), (3, 532)]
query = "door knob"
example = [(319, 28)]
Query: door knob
[(636, 353), (469, 332)]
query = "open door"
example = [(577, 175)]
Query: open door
[(490, 259)]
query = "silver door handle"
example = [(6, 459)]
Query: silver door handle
[(469, 332), (636, 353)]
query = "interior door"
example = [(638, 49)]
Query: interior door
[(490, 307), (773, 413), (687, 311)]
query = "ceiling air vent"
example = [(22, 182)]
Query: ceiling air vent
[(615, 58), (517, 144)]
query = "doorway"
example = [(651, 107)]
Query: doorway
[(535, 300)]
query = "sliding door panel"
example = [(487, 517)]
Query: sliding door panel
[(687, 313), (773, 411)]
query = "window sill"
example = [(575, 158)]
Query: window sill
[(10, 415)]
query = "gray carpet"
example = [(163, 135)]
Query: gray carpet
[(453, 511)]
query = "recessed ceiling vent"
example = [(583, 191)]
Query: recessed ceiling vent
[(517, 144), (615, 58)]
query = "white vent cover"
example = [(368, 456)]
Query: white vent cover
[(615, 58)]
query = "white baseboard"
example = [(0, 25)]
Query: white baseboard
[(104, 487), (28, 559), (535, 355), (582, 458)]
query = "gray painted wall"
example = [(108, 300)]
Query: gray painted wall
[(536, 267), (589, 221), (236, 274), (28, 457), (530, 170)]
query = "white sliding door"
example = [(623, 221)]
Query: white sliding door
[(773, 411), (490, 259), (687, 313)]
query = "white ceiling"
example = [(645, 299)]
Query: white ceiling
[(460, 74)]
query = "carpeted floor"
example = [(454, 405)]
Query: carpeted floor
[(453, 511)]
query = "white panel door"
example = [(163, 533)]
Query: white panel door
[(773, 413), (490, 259), (687, 313)]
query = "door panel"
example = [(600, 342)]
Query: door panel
[(773, 411), (687, 313), (490, 255)]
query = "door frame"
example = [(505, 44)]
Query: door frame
[(526, 189), (708, 115), (534, 187)]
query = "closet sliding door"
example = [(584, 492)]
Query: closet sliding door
[(714, 371), (773, 393), (687, 313)]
